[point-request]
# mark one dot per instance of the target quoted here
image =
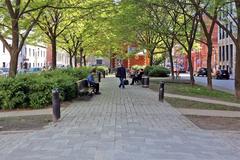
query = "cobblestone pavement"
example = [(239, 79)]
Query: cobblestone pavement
[(121, 124)]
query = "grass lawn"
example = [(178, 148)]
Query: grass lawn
[(194, 91), (182, 103)]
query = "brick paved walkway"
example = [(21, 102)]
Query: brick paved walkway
[(121, 124)]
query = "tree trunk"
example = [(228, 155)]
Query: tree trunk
[(190, 67), (209, 66), (75, 61), (14, 51), (70, 60), (151, 57), (171, 63), (81, 56), (237, 71), (237, 62), (54, 52), (13, 64), (84, 60)]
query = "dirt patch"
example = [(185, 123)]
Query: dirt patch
[(215, 123), (24, 122)]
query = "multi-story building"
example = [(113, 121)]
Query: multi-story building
[(30, 56), (141, 58), (34, 55), (226, 47), (63, 58)]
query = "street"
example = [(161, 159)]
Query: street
[(225, 85)]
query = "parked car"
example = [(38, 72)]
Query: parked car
[(202, 72), (34, 69), (222, 74), (4, 71), (21, 71)]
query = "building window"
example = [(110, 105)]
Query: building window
[(99, 61), (29, 52), (227, 52), (220, 33), (4, 64), (226, 32), (33, 55), (223, 34), (33, 65), (223, 53), (220, 54), (38, 52), (231, 55), (230, 27), (38, 64)]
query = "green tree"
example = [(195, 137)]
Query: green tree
[(18, 17), (234, 33)]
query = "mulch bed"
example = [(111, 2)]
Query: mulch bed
[(24, 122), (215, 123)]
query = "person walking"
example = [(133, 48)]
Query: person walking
[(121, 74)]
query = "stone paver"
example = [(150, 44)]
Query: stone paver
[(121, 124)]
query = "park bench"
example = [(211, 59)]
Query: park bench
[(84, 89)]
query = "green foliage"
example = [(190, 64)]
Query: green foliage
[(137, 67), (102, 69), (157, 71), (35, 90)]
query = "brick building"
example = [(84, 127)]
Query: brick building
[(141, 58)]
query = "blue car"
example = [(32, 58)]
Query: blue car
[(34, 70)]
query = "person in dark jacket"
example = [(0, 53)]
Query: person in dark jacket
[(137, 78), (121, 74)]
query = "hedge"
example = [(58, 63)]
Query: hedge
[(156, 71), (35, 90)]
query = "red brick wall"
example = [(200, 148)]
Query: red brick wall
[(49, 55), (199, 58), (137, 60)]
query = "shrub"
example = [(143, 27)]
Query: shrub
[(137, 67), (102, 69), (157, 71), (147, 69), (35, 90)]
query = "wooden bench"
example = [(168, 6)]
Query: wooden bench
[(84, 89)]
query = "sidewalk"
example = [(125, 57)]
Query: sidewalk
[(120, 124)]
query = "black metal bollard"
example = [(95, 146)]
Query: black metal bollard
[(161, 92), (104, 74), (145, 81), (55, 104), (99, 76)]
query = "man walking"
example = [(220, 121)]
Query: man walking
[(121, 74)]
